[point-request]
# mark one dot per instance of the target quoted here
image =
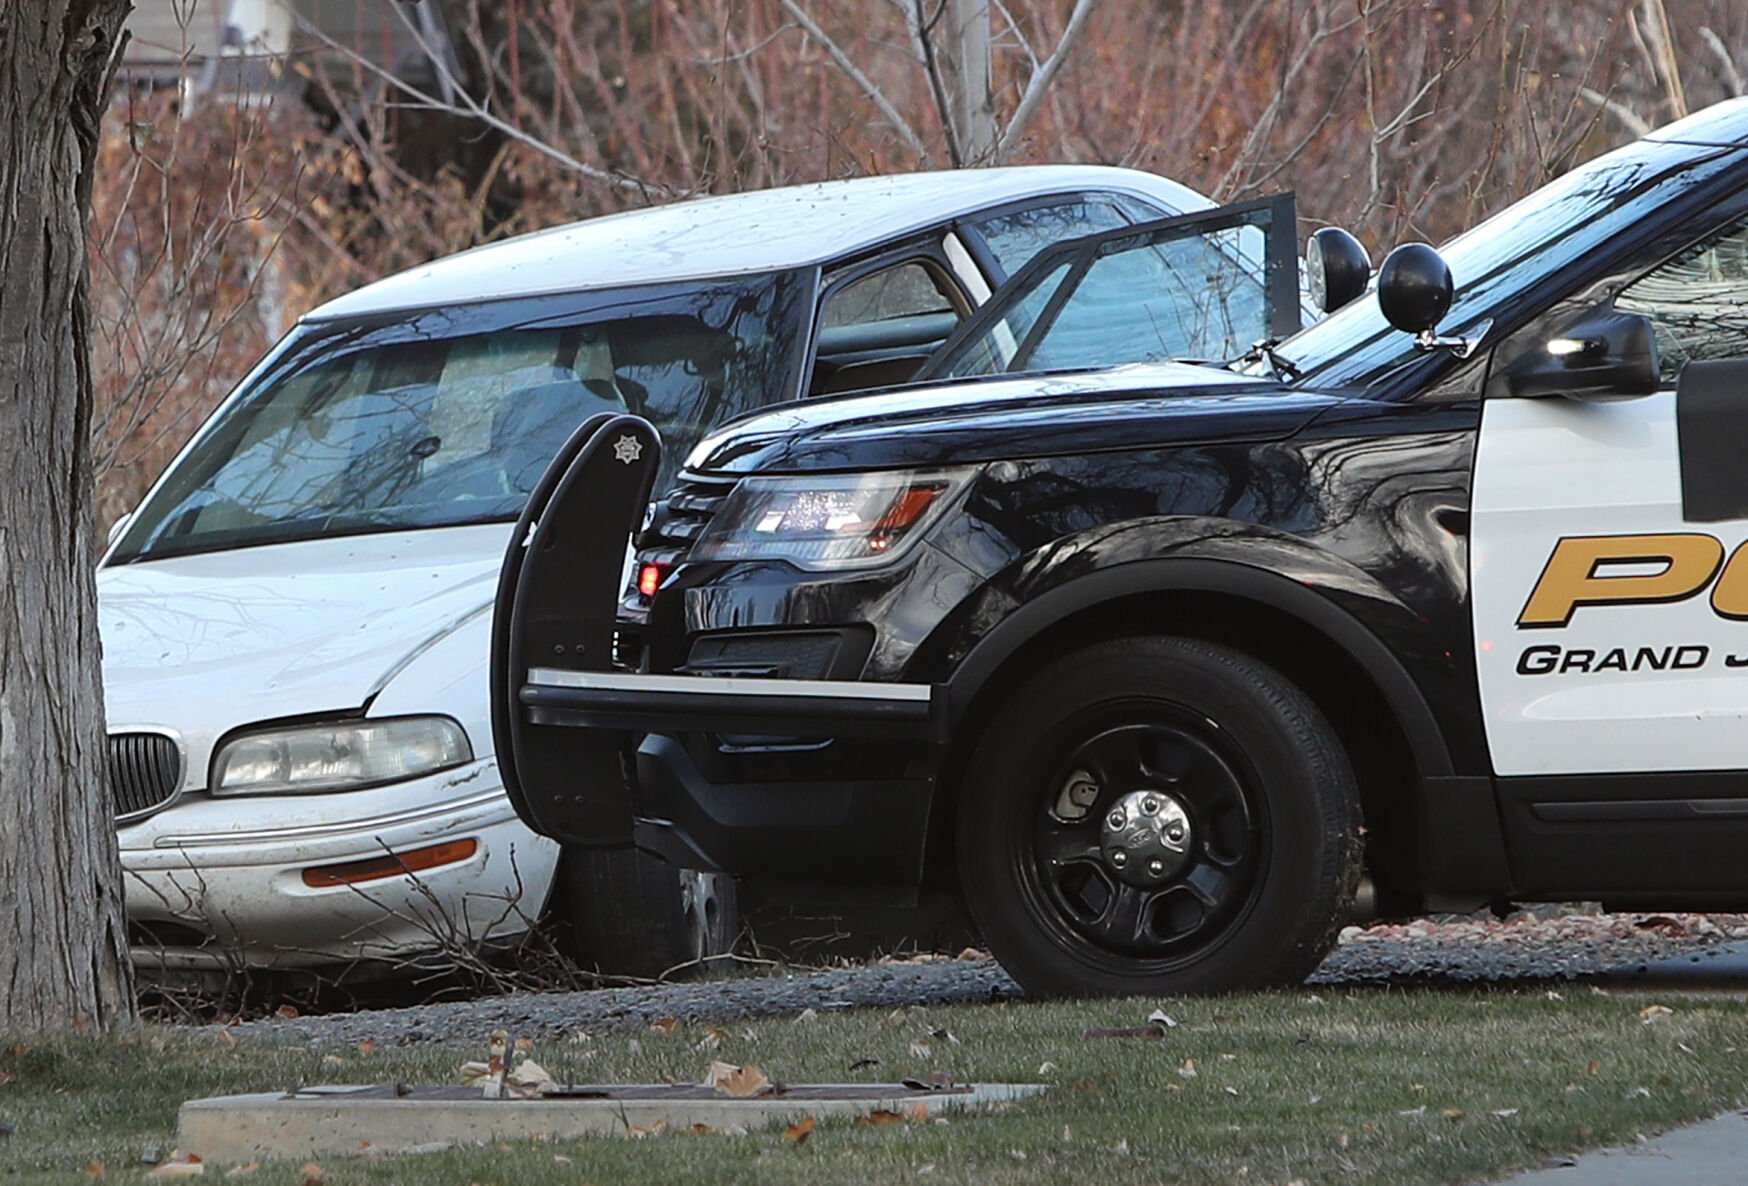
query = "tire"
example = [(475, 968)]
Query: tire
[(1192, 742), (622, 912)]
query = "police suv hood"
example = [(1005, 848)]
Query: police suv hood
[(991, 419), (201, 645)]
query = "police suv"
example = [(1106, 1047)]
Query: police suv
[(1158, 664)]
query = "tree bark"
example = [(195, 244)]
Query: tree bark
[(968, 54), (63, 945)]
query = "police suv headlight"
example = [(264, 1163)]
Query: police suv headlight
[(337, 756), (829, 521)]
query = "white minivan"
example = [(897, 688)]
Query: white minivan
[(295, 619)]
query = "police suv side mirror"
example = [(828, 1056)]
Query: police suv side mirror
[(1336, 268), (1414, 289), (1605, 354)]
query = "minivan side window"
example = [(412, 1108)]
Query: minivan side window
[(1015, 237)]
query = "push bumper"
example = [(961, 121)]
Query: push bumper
[(719, 704), (809, 823)]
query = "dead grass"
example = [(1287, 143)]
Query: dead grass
[(1356, 1086)]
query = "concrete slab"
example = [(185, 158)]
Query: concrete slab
[(1714, 1153), (338, 1121)]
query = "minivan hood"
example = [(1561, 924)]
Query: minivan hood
[(982, 420), (203, 644)]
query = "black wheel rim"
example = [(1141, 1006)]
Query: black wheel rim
[(1104, 760)]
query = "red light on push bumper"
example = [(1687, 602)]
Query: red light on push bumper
[(649, 578)]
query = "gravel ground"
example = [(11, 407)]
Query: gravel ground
[(1525, 948)]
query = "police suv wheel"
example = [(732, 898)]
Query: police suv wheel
[(1158, 816)]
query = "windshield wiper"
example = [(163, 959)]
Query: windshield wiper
[(1264, 351)]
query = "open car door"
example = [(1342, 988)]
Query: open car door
[(1204, 287)]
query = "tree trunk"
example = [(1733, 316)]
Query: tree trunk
[(968, 53), (63, 946)]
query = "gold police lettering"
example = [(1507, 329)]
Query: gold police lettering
[(1612, 570)]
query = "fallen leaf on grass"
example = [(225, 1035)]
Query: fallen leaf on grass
[(529, 1079), (367, 1048), (243, 1171), (1046, 1068), (1652, 1014), (654, 1130), (1591, 1067), (713, 1037), (1161, 1017), (311, 1171), (1188, 1070), (920, 1050), (561, 1159), (797, 1134), (879, 1118), (917, 1113), (702, 1130), (1420, 1111), (95, 1171), (188, 1166), (1504, 1113), (737, 1083), (286, 1012), (665, 1025), (1453, 1113)]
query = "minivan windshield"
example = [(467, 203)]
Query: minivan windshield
[(448, 417)]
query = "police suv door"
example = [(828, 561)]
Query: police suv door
[(1610, 585)]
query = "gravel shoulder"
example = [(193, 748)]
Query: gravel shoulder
[(1473, 951)]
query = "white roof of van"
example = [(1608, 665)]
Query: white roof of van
[(765, 230)]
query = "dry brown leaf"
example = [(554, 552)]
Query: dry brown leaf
[(286, 1012), (1592, 1067), (1188, 1070), (665, 1025), (367, 1047), (713, 1037), (475, 1072), (917, 1113), (1652, 1014), (880, 1118), (920, 1050), (243, 1171), (530, 1076), (654, 1130), (1453, 1113), (95, 1171), (179, 1167), (310, 1169), (702, 1130), (797, 1134), (737, 1083)]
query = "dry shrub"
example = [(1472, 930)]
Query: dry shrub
[(1397, 118)]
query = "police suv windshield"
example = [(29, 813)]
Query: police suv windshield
[(449, 416), (1532, 242)]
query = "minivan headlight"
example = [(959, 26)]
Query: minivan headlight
[(337, 756), (829, 521)]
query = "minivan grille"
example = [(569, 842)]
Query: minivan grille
[(145, 770)]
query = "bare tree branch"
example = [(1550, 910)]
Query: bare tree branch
[(868, 85), (1637, 125), (1042, 77), (1726, 64)]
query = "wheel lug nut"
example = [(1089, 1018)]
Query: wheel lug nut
[(1175, 833), (1150, 805), (1117, 819), (1119, 858), (1156, 867)]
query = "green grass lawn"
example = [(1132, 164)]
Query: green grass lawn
[(1359, 1086)]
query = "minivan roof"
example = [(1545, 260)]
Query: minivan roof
[(764, 230)]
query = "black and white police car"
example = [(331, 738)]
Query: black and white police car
[(1157, 665)]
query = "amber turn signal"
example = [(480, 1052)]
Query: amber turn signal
[(392, 865)]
